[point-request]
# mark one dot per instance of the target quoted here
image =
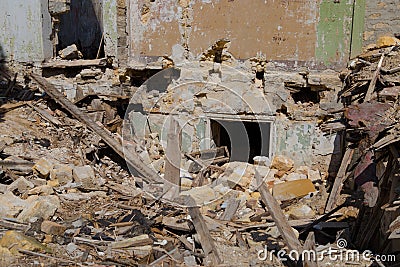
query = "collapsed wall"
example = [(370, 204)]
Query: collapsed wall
[(202, 95)]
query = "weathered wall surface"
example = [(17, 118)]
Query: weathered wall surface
[(26, 29), (381, 18), (304, 32)]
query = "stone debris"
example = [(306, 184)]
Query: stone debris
[(75, 191), (52, 228), (15, 240), (70, 52)]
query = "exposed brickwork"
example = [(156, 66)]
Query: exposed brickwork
[(122, 49), (381, 18)]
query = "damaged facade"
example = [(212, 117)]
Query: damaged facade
[(262, 84)]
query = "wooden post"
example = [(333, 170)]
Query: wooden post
[(371, 87), (277, 215), (207, 243), (172, 160), (340, 178)]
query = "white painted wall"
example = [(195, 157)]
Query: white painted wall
[(25, 30)]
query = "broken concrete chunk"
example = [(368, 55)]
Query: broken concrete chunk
[(282, 163), (11, 205), (190, 261), (52, 228), (15, 240), (300, 212), (21, 184), (292, 189), (43, 167), (62, 173), (84, 175), (70, 52), (136, 241), (39, 207)]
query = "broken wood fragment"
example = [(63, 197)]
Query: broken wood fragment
[(211, 254), (137, 241), (172, 160), (371, 87), (231, 208), (277, 215), (45, 115), (340, 178), (75, 63)]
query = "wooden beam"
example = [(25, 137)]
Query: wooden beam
[(172, 160), (371, 87), (340, 178), (131, 157), (207, 243), (277, 215), (76, 63), (230, 210)]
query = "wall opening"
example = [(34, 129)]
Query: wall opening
[(306, 95), (244, 139), (82, 26)]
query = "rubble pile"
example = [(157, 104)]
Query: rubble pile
[(370, 165), (68, 200), (74, 194)]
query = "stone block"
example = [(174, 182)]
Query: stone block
[(15, 240), (201, 195), (62, 173), (52, 228), (39, 207), (292, 189), (299, 212), (84, 175), (282, 163), (21, 184), (11, 205), (70, 52), (43, 167)]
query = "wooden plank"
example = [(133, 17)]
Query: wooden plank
[(207, 243), (75, 63), (371, 87), (340, 178), (231, 208), (172, 160), (45, 115), (277, 215), (131, 157), (395, 182)]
